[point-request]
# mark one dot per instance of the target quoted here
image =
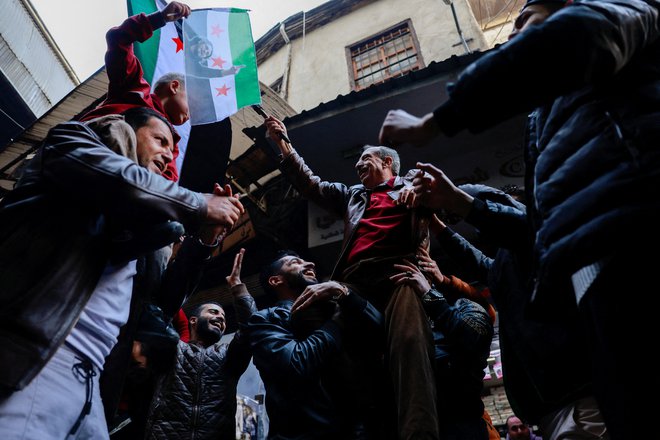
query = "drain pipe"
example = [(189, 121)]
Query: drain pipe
[(458, 26), (285, 77)]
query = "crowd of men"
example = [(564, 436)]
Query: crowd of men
[(100, 248)]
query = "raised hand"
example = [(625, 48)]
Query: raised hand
[(233, 70), (175, 10), (401, 127), (274, 127), (274, 130), (436, 191), (234, 278)]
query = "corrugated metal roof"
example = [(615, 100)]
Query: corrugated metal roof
[(89, 94), (31, 60)]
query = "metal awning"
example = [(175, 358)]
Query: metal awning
[(89, 94)]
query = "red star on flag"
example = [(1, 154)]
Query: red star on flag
[(218, 62), (179, 44), (215, 30), (222, 90)]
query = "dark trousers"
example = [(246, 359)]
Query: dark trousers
[(621, 313), (409, 349)]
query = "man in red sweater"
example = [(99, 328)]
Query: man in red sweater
[(128, 88)]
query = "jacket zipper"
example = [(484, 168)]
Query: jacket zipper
[(195, 408)]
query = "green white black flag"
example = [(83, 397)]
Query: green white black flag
[(220, 64)]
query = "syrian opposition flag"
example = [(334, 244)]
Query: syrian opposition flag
[(203, 151), (220, 64), (161, 54)]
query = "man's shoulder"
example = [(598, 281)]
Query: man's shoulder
[(408, 177), (72, 130), (73, 125), (273, 315)]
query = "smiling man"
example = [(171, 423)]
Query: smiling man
[(67, 280), (197, 398), (299, 346), (379, 233)]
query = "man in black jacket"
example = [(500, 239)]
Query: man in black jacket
[(593, 168), (299, 346), (197, 397), (67, 270), (378, 232), (546, 367)]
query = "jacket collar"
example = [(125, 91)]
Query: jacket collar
[(395, 184)]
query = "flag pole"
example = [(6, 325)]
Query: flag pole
[(260, 111)]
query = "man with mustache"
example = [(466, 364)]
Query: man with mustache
[(379, 232)]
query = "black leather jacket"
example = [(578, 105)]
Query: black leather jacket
[(197, 399), (56, 236), (300, 401), (592, 70), (462, 333)]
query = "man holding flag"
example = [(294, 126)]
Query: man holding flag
[(127, 86)]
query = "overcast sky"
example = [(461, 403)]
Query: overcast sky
[(79, 26)]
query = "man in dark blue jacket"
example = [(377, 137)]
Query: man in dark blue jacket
[(298, 345), (593, 168)]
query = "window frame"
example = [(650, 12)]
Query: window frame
[(352, 70)]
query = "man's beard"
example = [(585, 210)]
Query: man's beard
[(207, 332), (298, 283)]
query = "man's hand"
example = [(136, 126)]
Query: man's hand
[(273, 129), (175, 10), (412, 276), (436, 191), (429, 267), (407, 197), (234, 278), (318, 293), (401, 127), (212, 233), (223, 210), (233, 70), (436, 225)]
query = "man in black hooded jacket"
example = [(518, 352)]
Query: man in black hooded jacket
[(593, 168)]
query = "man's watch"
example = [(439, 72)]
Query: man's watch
[(433, 296), (342, 294)]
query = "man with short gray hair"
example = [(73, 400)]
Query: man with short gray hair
[(380, 233)]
